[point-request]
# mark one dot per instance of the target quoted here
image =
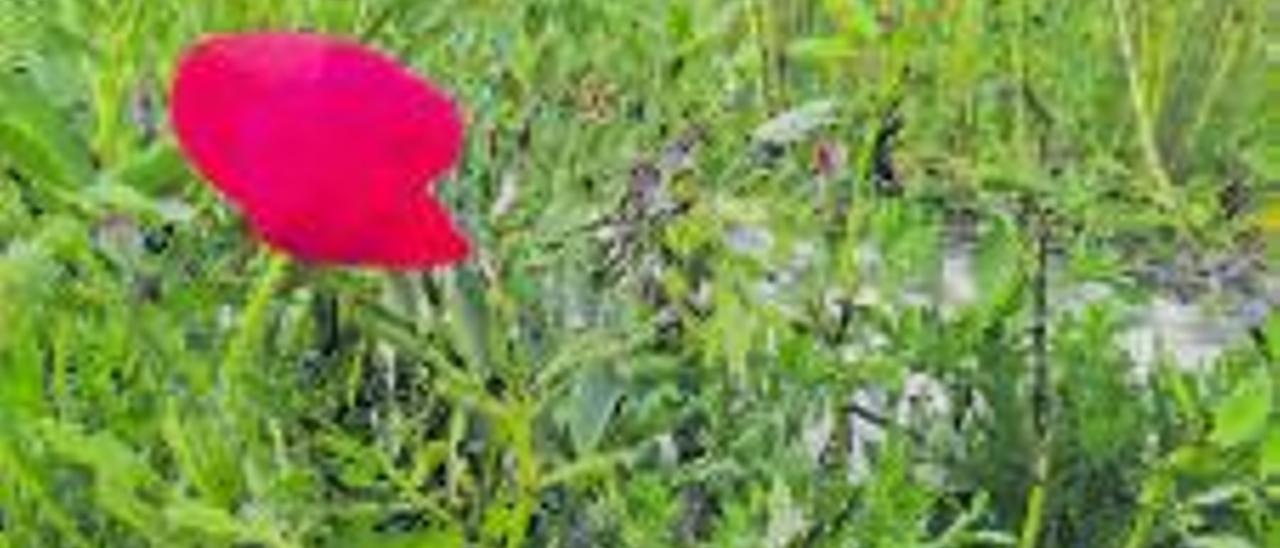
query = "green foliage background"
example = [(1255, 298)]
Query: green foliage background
[(703, 228)]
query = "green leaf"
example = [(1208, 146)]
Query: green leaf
[(1269, 460), (690, 232), (124, 198), (1271, 334), (998, 263), (821, 48), (120, 473), (469, 306), (1242, 416), (360, 466), (215, 522), (596, 394), (443, 538), (20, 146), (196, 516), (37, 137), (1265, 159), (158, 169)]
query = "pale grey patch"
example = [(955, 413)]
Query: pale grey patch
[(1184, 333), (796, 124), (865, 435), (786, 518), (819, 426), (748, 239), (508, 193), (959, 284)]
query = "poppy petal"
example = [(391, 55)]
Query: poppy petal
[(320, 140), (417, 233)]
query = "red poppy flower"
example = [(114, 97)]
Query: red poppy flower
[(328, 147)]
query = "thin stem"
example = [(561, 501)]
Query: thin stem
[(1162, 193), (1041, 396), (759, 18), (1017, 61), (1033, 524), (1226, 62), (1041, 402), (528, 482), (1154, 491), (244, 344)]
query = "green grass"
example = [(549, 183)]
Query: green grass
[(165, 382)]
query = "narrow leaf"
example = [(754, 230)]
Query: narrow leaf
[(1243, 415)]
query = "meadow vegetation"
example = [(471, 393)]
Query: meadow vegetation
[(713, 298)]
